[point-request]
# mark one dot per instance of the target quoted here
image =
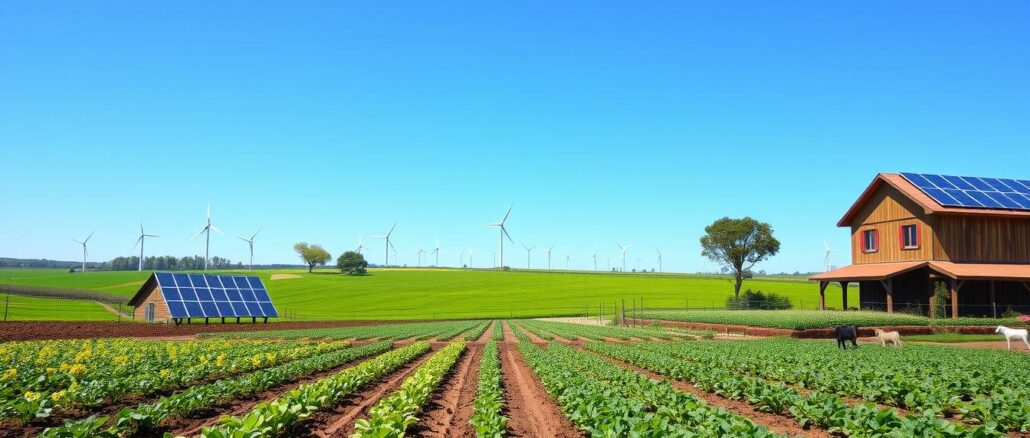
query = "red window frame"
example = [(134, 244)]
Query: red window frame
[(876, 241), (915, 236)]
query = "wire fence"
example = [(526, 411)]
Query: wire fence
[(62, 294)]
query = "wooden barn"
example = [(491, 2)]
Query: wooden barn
[(179, 297), (915, 237)]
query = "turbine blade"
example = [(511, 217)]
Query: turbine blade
[(505, 230), (391, 229), (199, 233), (508, 213), (87, 238), (256, 233), (216, 229), (137, 243)]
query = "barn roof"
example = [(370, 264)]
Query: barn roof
[(958, 271), (927, 203)]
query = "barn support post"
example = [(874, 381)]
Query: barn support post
[(990, 294), (844, 295), (953, 288), (223, 320), (822, 294), (888, 286), (933, 298)]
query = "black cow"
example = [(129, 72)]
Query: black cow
[(847, 333)]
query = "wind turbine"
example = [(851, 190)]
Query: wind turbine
[(250, 243), (139, 242), (437, 252), (493, 257), (566, 260), (419, 253), (504, 233), (529, 250), (207, 230), (84, 252), (388, 244), (595, 260), (660, 254), (461, 258), (624, 248), (470, 257), (549, 256), (826, 260), (361, 246)]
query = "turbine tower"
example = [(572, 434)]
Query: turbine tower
[(624, 248), (419, 253), (250, 243), (207, 230), (549, 256), (436, 251), (493, 257), (504, 233), (470, 257), (139, 242), (826, 259), (529, 250), (595, 260), (566, 260), (84, 252), (388, 244), (660, 254), (361, 246)]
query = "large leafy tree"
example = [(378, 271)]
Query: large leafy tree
[(352, 262), (313, 255), (739, 244)]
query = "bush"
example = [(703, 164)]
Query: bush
[(1010, 313), (758, 300)]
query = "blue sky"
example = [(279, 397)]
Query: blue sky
[(320, 121)]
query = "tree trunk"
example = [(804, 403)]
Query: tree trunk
[(736, 286), (310, 268)]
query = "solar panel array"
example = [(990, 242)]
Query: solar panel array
[(214, 296), (973, 192)]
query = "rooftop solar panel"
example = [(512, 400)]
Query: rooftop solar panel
[(213, 296), (973, 192)]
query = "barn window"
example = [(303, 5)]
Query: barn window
[(870, 240), (910, 236)]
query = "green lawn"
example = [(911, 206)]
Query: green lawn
[(35, 309), (398, 294)]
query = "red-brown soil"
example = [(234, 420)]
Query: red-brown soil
[(453, 403), (339, 421), (531, 411), (28, 330)]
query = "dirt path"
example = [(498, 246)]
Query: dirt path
[(531, 411), (339, 421), (114, 311), (240, 406), (451, 408), (486, 333), (776, 423), (993, 345)]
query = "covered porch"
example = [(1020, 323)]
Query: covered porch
[(971, 289)]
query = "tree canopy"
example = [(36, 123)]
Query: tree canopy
[(313, 255), (739, 244), (352, 263)]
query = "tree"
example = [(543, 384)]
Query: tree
[(740, 244), (313, 255), (352, 263)]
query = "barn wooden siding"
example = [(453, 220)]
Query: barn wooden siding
[(161, 312), (887, 211), (979, 239)]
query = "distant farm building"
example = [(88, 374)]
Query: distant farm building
[(915, 234), (173, 297)]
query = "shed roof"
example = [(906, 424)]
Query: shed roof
[(873, 271), (147, 286), (927, 203), (958, 271)]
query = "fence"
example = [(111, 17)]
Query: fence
[(62, 294), (40, 303)]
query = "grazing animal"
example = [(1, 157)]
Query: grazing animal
[(1011, 334), (892, 337), (847, 333)]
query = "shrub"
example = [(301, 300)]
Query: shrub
[(758, 300)]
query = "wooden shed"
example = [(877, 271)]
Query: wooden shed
[(178, 297), (914, 234)]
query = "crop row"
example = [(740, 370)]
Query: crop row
[(573, 331), (498, 331), (606, 400), (145, 419), (984, 386), (816, 409), (275, 417), (394, 414), (417, 331), (39, 377), (487, 417)]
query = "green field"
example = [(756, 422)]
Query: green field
[(954, 338), (398, 294), (19, 308)]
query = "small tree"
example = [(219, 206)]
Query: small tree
[(739, 244), (313, 255), (352, 263)]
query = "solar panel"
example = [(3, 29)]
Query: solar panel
[(215, 296), (973, 192)]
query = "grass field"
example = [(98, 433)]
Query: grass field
[(35, 309), (954, 338), (398, 294)]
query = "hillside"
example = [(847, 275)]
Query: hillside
[(447, 293)]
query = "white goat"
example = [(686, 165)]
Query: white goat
[(893, 337), (1011, 334)]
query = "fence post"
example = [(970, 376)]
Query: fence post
[(7, 303), (623, 319)]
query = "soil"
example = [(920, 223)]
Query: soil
[(339, 420), (453, 403), (776, 423), (30, 330), (531, 411), (995, 345), (826, 333)]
